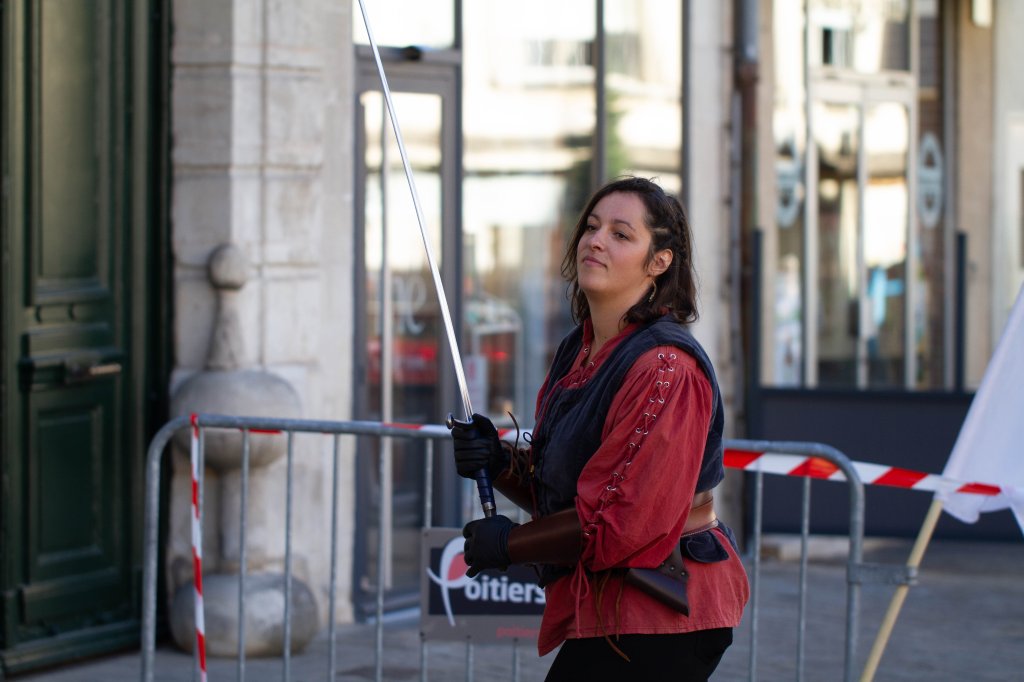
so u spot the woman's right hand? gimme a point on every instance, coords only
(477, 446)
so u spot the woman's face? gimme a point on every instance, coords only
(611, 257)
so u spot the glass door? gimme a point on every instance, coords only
(404, 364)
(861, 146)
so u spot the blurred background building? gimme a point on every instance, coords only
(853, 171)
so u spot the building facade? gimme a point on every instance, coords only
(852, 170)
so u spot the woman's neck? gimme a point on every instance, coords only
(606, 324)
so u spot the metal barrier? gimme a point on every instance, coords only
(856, 572)
(854, 576)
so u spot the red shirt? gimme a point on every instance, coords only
(633, 497)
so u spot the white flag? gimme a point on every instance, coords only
(990, 447)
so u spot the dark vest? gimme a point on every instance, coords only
(570, 420)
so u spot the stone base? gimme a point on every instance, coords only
(264, 615)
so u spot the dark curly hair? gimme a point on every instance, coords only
(666, 220)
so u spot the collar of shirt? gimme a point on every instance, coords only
(584, 365)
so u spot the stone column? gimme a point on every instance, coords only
(225, 387)
(263, 102)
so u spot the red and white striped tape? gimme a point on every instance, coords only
(872, 474)
(788, 464)
(197, 553)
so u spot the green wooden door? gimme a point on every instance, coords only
(77, 222)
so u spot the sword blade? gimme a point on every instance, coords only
(482, 479)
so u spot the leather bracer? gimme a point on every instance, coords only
(515, 489)
(556, 539)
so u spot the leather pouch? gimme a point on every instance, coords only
(666, 583)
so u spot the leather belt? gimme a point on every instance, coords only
(702, 514)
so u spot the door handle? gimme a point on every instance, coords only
(52, 370)
(75, 373)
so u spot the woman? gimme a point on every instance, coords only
(626, 448)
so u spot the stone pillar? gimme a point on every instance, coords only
(225, 387)
(263, 102)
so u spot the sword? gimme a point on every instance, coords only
(483, 481)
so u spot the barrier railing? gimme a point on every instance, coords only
(856, 571)
(854, 576)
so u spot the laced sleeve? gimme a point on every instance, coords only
(634, 494)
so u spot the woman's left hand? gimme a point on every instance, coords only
(487, 544)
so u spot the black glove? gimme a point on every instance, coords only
(487, 544)
(477, 446)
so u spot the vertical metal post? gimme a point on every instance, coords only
(685, 55)
(333, 595)
(387, 356)
(809, 253)
(951, 245)
(383, 472)
(805, 531)
(423, 657)
(745, 70)
(961, 311)
(288, 560)
(855, 558)
(428, 512)
(861, 286)
(242, 556)
(914, 296)
(428, 484)
(735, 309)
(753, 402)
(599, 152)
(154, 457)
(755, 581)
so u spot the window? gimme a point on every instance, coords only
(868, 36)
(402, 23)
(868, 310)
(537, 140)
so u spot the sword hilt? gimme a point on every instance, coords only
(483, 480)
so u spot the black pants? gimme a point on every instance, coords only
(685, 657)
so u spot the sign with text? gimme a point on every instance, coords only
(494, 607)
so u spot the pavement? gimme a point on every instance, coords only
(962, 621)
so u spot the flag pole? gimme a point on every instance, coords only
(924, 536)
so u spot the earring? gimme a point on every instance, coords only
(654, 290)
